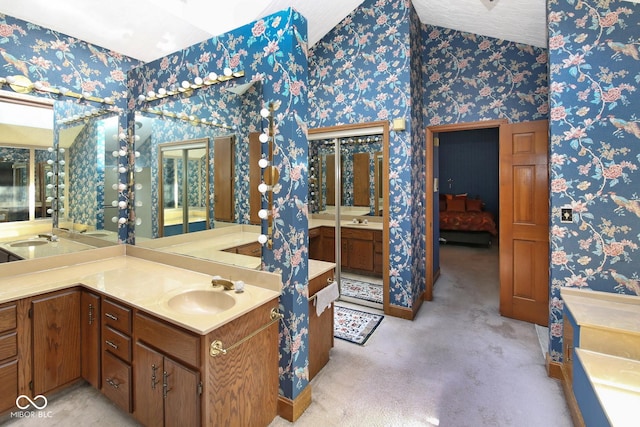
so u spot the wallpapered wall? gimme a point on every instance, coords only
(595, 149)
(61, 61)
(272, 50)
(359, 72)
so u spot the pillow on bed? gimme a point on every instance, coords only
(456, 205)
(474, 205)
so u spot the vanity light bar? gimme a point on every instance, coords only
(86, 116)
(187, 87)
(22, 84)
(187, 118)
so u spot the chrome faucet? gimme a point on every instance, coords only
(226, 284)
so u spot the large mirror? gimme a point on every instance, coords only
(215, 130)
(359, 186)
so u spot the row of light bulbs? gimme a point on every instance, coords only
(191, 118)
(56, 173)
(186, 86)
(22, 84)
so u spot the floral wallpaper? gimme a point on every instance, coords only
(595, 150)
(272, 51)
(63, 62)
(359, 72)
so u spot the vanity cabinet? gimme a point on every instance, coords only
(8, 356)
(361, 249)
(56, 340)
(116, 353)
(251, 249)
(320, 327)
(166, 391)
(90, 337)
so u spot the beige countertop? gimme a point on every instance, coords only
(603, 310)
(141, 278)
(318, 221)
(42, 247)
(616, 382)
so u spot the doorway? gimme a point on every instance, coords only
(524, 215)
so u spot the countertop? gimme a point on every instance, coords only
(42, 247)
(141, 278)
(609, 348)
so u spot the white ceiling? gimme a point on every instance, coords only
(149, 29)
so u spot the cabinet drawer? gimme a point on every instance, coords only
(116, 316)
(314, 232)
(350, 233)
(7, 318)
(117, 343)
(117, 381)
(8, 345)
(169, 339)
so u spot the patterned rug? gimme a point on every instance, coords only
(354, 325)
(361, 290)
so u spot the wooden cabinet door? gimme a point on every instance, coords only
(147, 386)
(360, 254)
(8, 384)
(223, 178)
(56, 340)
(182, 398)
(90, 337)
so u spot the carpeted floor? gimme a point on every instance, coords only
(458, 364)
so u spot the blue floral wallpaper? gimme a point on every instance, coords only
(272, 50)
(63, 62)
(595, 150)
(360, 72)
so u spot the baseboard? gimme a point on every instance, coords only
(554, 369)
(291, 410)
(405, 312)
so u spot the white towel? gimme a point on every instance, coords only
(326, 296)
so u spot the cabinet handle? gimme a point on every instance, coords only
(91, 314)
(111, 344)
(111, 316)
(112, 383)
(154, 377)
(165, 384)
(569, 353)
(329, 280)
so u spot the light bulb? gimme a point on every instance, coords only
(136, 137)
(61, 150)
(263, 137)
(61, 185)
(61, 197)
(122, 153)
(185, 84)
(138, 221)
(122, 220)
(114, 153)
(228, 72)
(50, 149)
(263, 163)
(122, 135)
(263, 214)
(162, 91)
(263, 188)
(49, 211)
(141, 98)
(122, 204)
(122, 169)
(49, 162)
(262, 239)
(61, 174)
(213, 76)
(114, 203)
(61, 210)
(198, 81)
(49, 174)
(115, 187)
(114, 219)
(61, 162)
(49, 199)
(265, 112)
(138, 186)
(151, 94)
(107, 100)
(49, 186)
(138, 203)
(122, 186)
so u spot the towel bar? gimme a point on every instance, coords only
(216, 348)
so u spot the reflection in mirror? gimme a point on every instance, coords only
(90, 175)
(184, 194)
(360, 189)
(226, 115)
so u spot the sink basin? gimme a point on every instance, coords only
(201, 301)
(26, 243)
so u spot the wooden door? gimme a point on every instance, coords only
(361, 179)
(524, 222)
(56, 340)
(147, 386)
(223, 178)
(255, 199)
(90, 337)
(330, 179)
(182, 401)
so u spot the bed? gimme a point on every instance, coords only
(464, 220)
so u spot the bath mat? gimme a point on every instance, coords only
(354, 325)
(361, 290)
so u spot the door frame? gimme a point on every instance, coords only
(430, 275)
